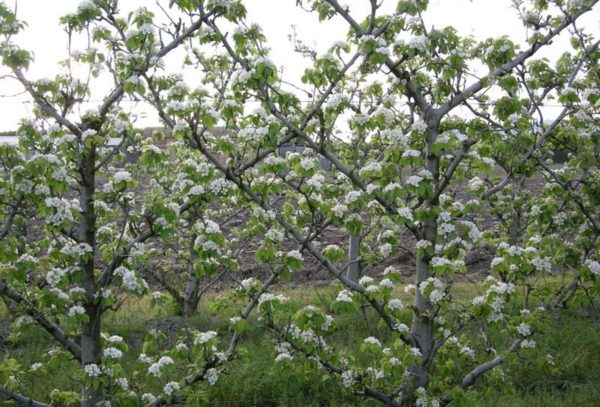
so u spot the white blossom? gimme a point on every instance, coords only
(372, 341)
(76, 310)
(112, 353)
(92, 370)
(171, 387)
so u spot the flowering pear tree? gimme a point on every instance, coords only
(90, 233)
(203, 249)
(406, 122)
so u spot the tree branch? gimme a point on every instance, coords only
(58, 334)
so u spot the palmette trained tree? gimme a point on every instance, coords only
(76, 234)
(406, 124)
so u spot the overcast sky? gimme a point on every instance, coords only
(480, 18)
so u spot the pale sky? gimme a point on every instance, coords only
(480, 18)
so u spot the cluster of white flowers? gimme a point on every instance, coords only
(348, 378)
(171, 387)
(254, 134)
(59, 293)
(352, 197)
(130, 280)
(92, 370)
(496, 292)
(541, 264)
(316, 181)
(308, 163)
(395, 304)
(60, 174)
(211, 227)
(147, 28)
(411, 153)
(467, 351)
(268, 297)
(122, 176)
(414, 180)
(86, 5)
(386, 250)
(392, 186)
(53, 276)
(593, 266)
(273, 160)
(240, 77)
(475, 183)
(419, 125)
(406, 213)
(76, 250)
(372, 188)
(387, 283)
(219, 186)
(344, 296)
(249, 283)
(423, 244)
(528, 344)
(336, 99)
(204, 337)
(176, 107)
(524, 329)
(63, 211)
(365, 280)
(387, 114)
(340, 209)
(283, 348)
(295, 254)
(36, 366)
(474, 233)
(76, 310)
(87, 133)
(154, 368)
(212, 376)
(435, 295)
(123, 383)
(275, 235)
(374, 374)
(144, 358)
(112, 353)
(282, 357)
(420, 42)
(372, 341)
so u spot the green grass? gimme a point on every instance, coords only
(573, 341)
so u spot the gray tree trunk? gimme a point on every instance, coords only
(354, 269)
(91, 345)
(192, 290)
(421, 331)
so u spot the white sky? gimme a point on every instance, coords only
(480, 18)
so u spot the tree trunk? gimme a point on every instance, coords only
(91, 345)
(514, 232)
(421, 331)
(91, 352)
(191, 300)
(192, 290)
(354, 271)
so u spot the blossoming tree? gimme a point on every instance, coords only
(405, 123)
(89, 230)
